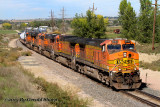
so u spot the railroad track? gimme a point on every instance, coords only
(144, 97)
(141, 96)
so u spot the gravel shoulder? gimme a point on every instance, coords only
(68, 79)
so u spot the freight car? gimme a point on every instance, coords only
(114, 62)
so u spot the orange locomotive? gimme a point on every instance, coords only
(113, 62)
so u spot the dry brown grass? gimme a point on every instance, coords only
(155, 65)
(26, 53)
(17, 83)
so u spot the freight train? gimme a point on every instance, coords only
(114, 62)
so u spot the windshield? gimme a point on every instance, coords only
(113, 46)
(128, 46)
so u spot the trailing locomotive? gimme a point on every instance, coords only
(114, 62)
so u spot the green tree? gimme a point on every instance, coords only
(7, 25)
(23, 25)
(79, 25)
(128, 20)
(39, 23)
(91, 26)
(101, 26)
(145, 21)
(122, 8)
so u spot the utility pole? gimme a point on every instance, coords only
(63, 21)
(154, 23)
(93, 9)
(52, 21)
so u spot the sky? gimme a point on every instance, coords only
(30, 9)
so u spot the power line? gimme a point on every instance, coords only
(93, 9)
(63, 21)
(52, 21)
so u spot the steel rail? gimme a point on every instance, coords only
(141, 99)
(149, 95)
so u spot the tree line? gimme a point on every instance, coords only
(139, 27)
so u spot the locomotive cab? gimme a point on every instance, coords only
(123, 64)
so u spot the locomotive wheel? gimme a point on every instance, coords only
(82, 70)
(57, 59)
(79, 68)
(52, 56)
(101, 78)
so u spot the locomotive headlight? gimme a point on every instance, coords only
(135, 68)
(125, 54)
(119, 69)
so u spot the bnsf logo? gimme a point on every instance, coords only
(123, 61)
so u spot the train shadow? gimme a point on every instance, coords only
(143, 85)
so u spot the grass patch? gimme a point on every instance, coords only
(63, 98)
(15, 85)
(112, 28)
(155, 65)
(110, 32)
(147, 48)
(7, 32)
(113, 35)
(8, 57)
(26, 53)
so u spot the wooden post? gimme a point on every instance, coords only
(154, 24)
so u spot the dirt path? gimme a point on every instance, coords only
(17, 31)
(12, 43)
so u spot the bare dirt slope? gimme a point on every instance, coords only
(148, 58)
(152, 79)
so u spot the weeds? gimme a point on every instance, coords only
(26, 53)
(62, 98)
(9, 57)
(15, 85)
(147, 48)
(155, 65)
(7, 32)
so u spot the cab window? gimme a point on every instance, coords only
(42, 37)
(128, 46)
(109, 47)
(103, 48)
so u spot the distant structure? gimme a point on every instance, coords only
(52, 21)
(93, 9)
(63, 21)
